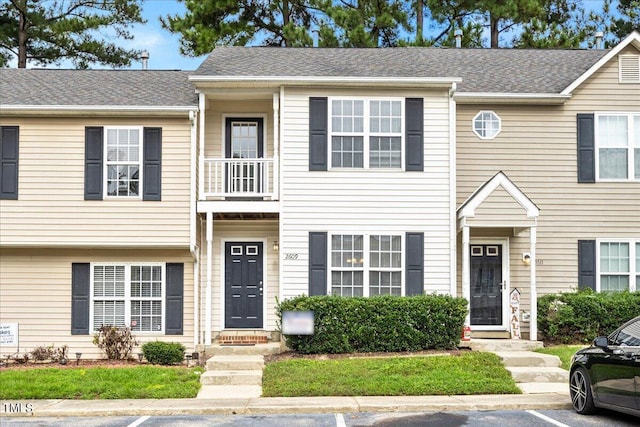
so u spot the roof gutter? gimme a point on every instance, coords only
(510, 98)
(276, 81)
(104, 110)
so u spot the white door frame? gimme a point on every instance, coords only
(506, 280)
(223, 255)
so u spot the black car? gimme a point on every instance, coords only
(607, 374)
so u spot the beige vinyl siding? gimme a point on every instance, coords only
(240, 231)
(35, 285)
(537, 151)
(51, 209)
(364, 201)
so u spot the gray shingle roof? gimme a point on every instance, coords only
(481, 70)
(149, 88)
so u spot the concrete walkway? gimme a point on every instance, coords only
(289, 405)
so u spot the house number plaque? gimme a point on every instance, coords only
(290, 256)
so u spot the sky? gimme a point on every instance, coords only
(163, 46)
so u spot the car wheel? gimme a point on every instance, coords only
(580, 391)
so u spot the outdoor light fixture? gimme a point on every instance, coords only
(526, 258)
(78, 356)
(276, 246)
(140, 355)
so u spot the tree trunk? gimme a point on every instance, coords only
(494, 31)
(419, 21)
(285, 19)
(22, 40)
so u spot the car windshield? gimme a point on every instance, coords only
(627, 336)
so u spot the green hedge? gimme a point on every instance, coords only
(579, 317)
(163, 353)
(384, 323)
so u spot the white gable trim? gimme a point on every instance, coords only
(468, 208)
(633, 38)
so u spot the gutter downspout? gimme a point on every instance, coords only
(193, 118)
(452, 191)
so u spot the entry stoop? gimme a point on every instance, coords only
(493, 345)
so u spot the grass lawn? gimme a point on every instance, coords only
(140, 382)
(564, 352)
(468, 373)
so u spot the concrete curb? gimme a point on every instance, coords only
(281, 405)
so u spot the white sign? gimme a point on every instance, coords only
(297, 323)
(514, 316)
(9, 334)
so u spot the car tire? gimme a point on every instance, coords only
(580, 392)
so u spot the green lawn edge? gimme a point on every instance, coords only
(564, 352)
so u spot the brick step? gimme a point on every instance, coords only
(231, 378)
(529, 358)
(522, 374)
(235, 363)
(242, 339)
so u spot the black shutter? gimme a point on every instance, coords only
(414, 265)
(80, 285)
(174, 299)
(152, 159)
(93, 152)
(586, 148)
(587, 264)
(414, 128)
(318, 134)
(9, 162)
(317, 263)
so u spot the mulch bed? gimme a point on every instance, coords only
(83, 363)
(294, 355)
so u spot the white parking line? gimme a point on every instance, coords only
(547, 419)
(340, 421)
(139, 421)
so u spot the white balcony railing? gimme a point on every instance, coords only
(238, 177)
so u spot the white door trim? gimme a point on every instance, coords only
(506, 280)
(221, 301)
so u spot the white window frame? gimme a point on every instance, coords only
(127, 294)
(477, 132)
(106, 162)
(366, 133)
(631, 131)
(634, 270)
(366, 265)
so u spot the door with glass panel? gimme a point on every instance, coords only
(486, 285)
(244, 145)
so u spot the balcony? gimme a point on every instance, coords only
(239, 179)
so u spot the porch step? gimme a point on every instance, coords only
(538, 388)
(528, 359)
(232, 378)
(235, 363)
(242, 339)
(246, 350)
(493, 345)
(524, 374)
(229, 391)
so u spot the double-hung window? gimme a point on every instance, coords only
(619, 266)
(367, 133)
(618, 146)
(128, 295)
(366, 265)
(123, 147)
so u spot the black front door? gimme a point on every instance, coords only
(243, 285)
(486, 285)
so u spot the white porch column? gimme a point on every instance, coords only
(533, 325)
(466, 269)
(276, 145)
(201, 172)
(207, 327)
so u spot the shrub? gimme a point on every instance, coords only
(116, 342)
(163, 353)
(579, 317)
(49, 353)
(383, 323)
